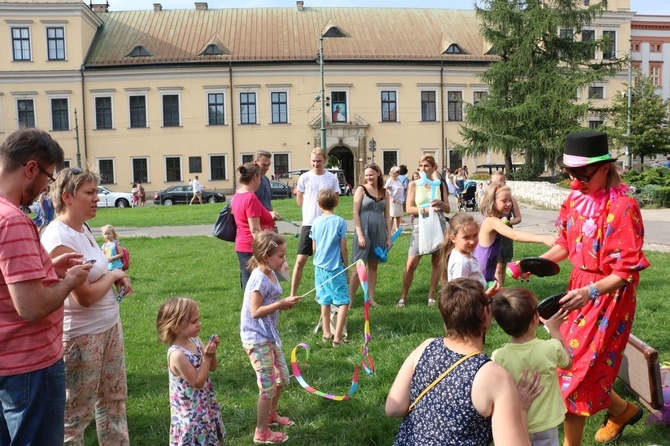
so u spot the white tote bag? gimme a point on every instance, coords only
(431, 231)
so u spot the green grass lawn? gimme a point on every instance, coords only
(205, 269)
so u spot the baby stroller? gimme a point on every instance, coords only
(468, 198)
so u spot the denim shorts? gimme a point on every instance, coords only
(33, 406)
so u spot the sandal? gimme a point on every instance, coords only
(401, 303)
(277, 420)
(269, 437)
(431, 302)
(327, 339)
(337, 344)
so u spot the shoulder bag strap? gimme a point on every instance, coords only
(440, 378)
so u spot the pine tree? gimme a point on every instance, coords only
(532, 97)
(649, 132)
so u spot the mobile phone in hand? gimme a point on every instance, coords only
(92, 261)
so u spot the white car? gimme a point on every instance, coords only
(110, 199)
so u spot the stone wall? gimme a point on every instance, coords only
(539, 193)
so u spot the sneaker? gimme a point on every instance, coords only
(431, 302)
(277, 420)
(612, 427)
(269, 437)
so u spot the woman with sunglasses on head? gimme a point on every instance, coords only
(92, 335)
(601, 232)
(372, 228)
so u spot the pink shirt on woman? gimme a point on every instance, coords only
(245, 206)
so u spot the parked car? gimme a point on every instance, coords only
(109, 199)
(280, 190)
(183, 194)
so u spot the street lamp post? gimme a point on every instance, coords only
(630, 98)
(372, 146)
(323, 96)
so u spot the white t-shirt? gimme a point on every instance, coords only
(396, 190)
(102, 315)
(197, 187)
(461, 265)
(310, 184)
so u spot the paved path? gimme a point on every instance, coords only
(539, 221)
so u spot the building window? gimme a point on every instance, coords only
(454, 105)
(170, 110)
(172, 168)
(26, 112)
(595, 124)
(140, 170)
(339, 106)
(389, 106)
(280, 164)
(636, 47)
(479, 96)
(589, 35)
(248, 108)
(389, 159)
(655, 47)
(21, 43)
(247, 158)
(609, 45)
(217, 167)
(215, 108)
(106, 171)
(279, 100)
(65, 165)
(428, 106)
(59, 114)
(138, 111)
(103, 112)
(195, 164)
(596, 92)
(56, 43)
(655, 75)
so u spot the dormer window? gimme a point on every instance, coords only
(212, 50)
(139, 51)
(453, 49)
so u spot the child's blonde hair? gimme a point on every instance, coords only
(459, 221)
(489, 199)
(173, 315)
(111, 228)
(263, 246)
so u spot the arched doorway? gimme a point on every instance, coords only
(346, 157)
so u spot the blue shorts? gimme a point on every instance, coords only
(335, 292)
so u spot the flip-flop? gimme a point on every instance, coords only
(327, 339)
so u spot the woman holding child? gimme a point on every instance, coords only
(601, 232)
(92, 334)
(372, 227)
(477, 402)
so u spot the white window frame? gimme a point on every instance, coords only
(139, 92)
(394, 88)
(107, 158)
(105, 94)
(181, 168)
(217, 90)
(344, 89)
(55, 24)
(434, 152)
(448, 89)
(226, 174)
(132, 170)
(172, 91)
(25, 96)
(59, 95)
(240, 91)
(21, 24)
(616, 47)
(597, 85)
(595, 36)
(436, 90)
(288, 104)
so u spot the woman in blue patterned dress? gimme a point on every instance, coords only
(476, 402)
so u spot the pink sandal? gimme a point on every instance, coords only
(269, 437)
(277, 420)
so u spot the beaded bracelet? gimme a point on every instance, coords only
(593, 292)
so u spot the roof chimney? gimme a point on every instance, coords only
(99, 7)
(158, 7)
(300, 5)
(201, 6)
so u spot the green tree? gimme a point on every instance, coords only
(544, 61)
(649, 132)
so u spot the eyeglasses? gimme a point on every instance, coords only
(44, 171)
(585, 178)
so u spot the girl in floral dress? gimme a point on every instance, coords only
(195, 414)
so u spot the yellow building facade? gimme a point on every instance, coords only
(164, 95)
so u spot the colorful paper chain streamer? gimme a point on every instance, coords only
(365, 359)
(434, 185)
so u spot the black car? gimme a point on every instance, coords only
(280, 190)
(183, 194)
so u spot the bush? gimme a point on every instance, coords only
(661, 197)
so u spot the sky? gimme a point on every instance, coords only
(640, 6)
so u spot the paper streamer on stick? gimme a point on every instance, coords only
(365, 359)
(434, 187)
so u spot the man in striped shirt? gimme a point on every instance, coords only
(32, 292)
